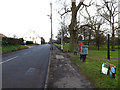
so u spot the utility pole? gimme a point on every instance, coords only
(51, 27)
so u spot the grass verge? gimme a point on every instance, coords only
(65, 47)
(91, 68)
(11, 48)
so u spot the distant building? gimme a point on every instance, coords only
(32, 36)
(2, 35)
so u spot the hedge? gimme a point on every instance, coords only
(11, 41)
(29, 42)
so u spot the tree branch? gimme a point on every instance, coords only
(79, 5)
(116, 14)
(105, 17)
(64, 12)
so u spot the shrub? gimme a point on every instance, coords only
(29, 42)
(11, 41)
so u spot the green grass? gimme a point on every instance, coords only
(93, 47)
(11, 48)
(58, 45)
(65, 47)
(91, 68)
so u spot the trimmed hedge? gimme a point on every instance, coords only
(12, 41)
(29, 42)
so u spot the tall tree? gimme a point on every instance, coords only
(87, 32)
(109, 10)
(73, 25)
(99, 36)
(94, 24)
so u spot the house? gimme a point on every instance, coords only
(32, 36)
(2, 35)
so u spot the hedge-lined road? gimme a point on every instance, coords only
(25, 68)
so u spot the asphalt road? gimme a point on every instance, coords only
(25, 68)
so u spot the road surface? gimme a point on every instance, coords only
(25, 68)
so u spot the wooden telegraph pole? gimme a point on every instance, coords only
(51, 27)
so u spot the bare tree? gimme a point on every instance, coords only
(63, 32)
(93, 25)
(87, 32)
(73, 23)
(72, 26)
(109, 10)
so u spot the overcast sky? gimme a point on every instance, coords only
(19, 16)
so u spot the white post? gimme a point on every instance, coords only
(62, 39)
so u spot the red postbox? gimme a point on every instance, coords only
(80, 46)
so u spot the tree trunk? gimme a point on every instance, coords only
(98, 47)
(113, 38)
(72, 26)
(73, 39)
(89, 38)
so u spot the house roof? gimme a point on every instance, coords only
(2, 35)
(31, 31)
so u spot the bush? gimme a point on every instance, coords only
(11, 41)
(29, 42)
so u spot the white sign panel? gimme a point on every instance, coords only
(104, 70)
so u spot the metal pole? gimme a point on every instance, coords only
(51, 27)
(108, 52)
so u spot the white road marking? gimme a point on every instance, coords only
(8, 60)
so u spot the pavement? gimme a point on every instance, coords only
(63, 73)
(25, 68)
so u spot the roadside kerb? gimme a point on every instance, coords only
(46, 82)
